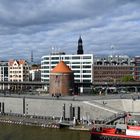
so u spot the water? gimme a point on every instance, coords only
(17, 132)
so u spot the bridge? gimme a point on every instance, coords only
(116, 84)
(19, 86)
(15, 86)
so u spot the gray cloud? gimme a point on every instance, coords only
(38, 25)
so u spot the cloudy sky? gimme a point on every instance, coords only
(106, 26)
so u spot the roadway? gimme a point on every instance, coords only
(75, 97)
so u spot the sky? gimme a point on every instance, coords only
(45, 26)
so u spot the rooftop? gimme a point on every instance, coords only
(61, 67)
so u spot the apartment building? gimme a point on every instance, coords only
(18, 70)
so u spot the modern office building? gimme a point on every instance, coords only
(18, 70)
(137, 68)
(80, 64)
(112, 68)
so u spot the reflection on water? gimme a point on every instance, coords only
(17, 132)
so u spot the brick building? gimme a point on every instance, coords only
(112, 68)
(137, 69)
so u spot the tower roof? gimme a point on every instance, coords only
(61, 67)
(80, 39)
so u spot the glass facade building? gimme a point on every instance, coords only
(81, 65)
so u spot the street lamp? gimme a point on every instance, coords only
(133, 99)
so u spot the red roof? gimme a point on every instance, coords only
(61, 67)
(21, 61)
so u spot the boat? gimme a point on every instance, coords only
(120, 131)
(131, 133)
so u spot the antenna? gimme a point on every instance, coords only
(32, 59)
(52, 49)
(112, 50)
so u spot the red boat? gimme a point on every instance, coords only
(131, 133)
(118, 132)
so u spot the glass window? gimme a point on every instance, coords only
(75, 66)
(55, 58)
(66, 58)
(75, 57)
(46, 58)
(87, 76)
(86, 71)
(86, 57)
(86, 66)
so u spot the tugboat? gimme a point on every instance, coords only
(118, 132)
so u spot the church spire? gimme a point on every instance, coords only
(80, 46)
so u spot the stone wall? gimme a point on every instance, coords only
(54, 107)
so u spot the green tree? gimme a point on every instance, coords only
(127, 78)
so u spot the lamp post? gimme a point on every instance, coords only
(133, 99)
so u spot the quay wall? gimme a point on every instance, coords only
(11, 105)
(54, 107)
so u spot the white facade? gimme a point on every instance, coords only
(81, 65)
(18, 70)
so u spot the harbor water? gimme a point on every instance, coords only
(20, 132)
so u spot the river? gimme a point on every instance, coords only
(19, 132)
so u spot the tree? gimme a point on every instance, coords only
(127, 78)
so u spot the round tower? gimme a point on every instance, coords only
(61, 80)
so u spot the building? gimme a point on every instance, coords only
(3, 71)
(61, 75)
(81, 65)
(18, 70)
(35, 73)
(112, 68)
(137, 68)
(3, 74)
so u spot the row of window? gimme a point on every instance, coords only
(15, 71)
(67, 62)
(84, 76)
(67, 57)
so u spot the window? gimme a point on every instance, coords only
(86, 57)
(86, 66)
(75, 66)
(75, 57)
(86, 71)
(66, 58)
(46, 58)
(55, 58)
(86, 76)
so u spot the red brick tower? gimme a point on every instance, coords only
(61, 80)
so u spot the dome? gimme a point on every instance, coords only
(61, 67)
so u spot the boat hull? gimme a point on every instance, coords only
(98, 136)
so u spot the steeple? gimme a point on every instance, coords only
(80, 46)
